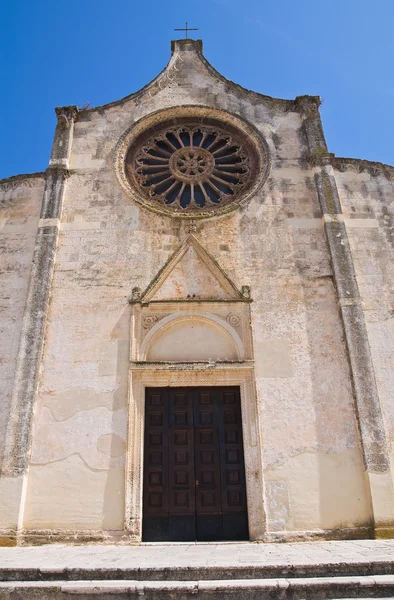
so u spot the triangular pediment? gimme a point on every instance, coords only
(191, 274)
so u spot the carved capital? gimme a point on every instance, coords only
(246, 292)
(66, 115)
(58, 170)
(321, 158)
(135, 295)
(308, 105)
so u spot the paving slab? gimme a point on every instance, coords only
(60, 556)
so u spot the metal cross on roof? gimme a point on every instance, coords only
(187, 29)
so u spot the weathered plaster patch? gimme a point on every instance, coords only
(382, 491)
(304, 223)
(69, 495)
(108, 358)
(80, 225)
(273, 359)
(85, 161)
(10, 500)
(278, 508)
(112, 445)
(29, 226)
(78, 434)
(361, 223)
(64, 405)
(326, 491)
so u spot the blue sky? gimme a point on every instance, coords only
(96, 51)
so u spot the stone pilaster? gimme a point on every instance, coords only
(369, 413)
(17, 447)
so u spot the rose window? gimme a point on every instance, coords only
(191, 167)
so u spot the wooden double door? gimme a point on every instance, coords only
(194, 473)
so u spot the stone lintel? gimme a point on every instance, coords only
(245, 365)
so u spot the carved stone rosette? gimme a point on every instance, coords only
(194, 163)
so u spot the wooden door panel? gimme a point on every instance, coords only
(231, 453)
(181, 453)
(156, 463)
(194, 476)
(207, 459)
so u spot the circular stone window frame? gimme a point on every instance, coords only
(147, 124)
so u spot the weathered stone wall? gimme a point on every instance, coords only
(314, 476)
(20, 204)
(368, 209)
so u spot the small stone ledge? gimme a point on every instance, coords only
(273, 588)
(384, 533)
(191, 366)
(8, 537)
(83, 538)
(347, 533)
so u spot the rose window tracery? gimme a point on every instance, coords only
(190, 167)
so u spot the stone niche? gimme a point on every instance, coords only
(191, 327)
(191, 312)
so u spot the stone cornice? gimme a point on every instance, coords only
(357, 165)
(170, 71)
(10, 183)
(363, 166)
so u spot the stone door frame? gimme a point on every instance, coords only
(143, 375)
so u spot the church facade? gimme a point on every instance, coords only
(197, 324)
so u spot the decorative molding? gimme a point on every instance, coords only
(59, 170)
(188, 165)
(196, 316)
(135, 295)
(209, 262)
(233, 319)
(215, 312)
(149, 320)
(356, 165)
(177, 376)
(246, 292)
(320, 158)
(191, 226)
(29, 181)
(171, 70)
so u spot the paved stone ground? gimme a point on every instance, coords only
(231, 554)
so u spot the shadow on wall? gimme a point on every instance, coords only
(192, 338)
(342, 496)
(114, 493)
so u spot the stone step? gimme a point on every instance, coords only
(199, 573)
(310, 588)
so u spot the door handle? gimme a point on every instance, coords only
(197, 483)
